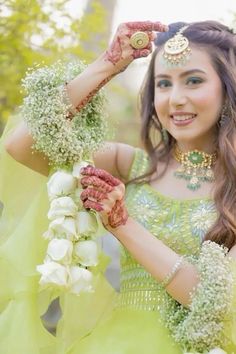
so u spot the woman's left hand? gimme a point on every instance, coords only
(105, 194)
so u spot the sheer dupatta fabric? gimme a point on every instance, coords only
(24, 199)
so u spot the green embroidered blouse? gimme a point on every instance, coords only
(180, 224)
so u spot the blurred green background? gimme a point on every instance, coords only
(42, 31)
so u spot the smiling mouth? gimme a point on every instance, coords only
(183, 117)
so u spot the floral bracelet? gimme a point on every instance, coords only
(200, 328)
(46, 108)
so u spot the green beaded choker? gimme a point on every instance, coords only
(196, 167)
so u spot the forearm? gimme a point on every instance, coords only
(114, 60)
(158, 259)
(83, 87)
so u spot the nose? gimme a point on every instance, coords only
(177, 96)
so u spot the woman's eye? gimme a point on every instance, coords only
(163, 83)
(194, 81)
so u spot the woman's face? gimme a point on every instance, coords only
(188, 100)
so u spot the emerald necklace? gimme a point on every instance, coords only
(196, 167)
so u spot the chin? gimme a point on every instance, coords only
(186, 136)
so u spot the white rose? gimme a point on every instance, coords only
(63, 227)
(53, 273)
(78, 166)
(80, 280)
(217, 351)
(86, 223)
(60, 250)
(87, 253)
(61, 183)
(62, 206)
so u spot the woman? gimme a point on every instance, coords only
(187, 194)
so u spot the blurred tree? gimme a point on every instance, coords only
(32, 32)
(41, 31)
(93, 37)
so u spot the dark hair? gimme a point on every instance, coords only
(220, 42)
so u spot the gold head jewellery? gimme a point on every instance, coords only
(177, 50)
(139, 40)
(196, 167)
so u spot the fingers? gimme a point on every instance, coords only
(141, 53)
(104, 194)
(90, 204)
(91, 193)
(146, 26)
(96, 182)
(105, 176)
(152, 36)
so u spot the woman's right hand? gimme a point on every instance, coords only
(116, 59)
(121, 53)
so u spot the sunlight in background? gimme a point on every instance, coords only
(166, 12)
(173, 11)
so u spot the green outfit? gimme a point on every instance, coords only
(134, 326)
(102, 322)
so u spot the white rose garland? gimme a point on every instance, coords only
(72, 253)
(68, 143)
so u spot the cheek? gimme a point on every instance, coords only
(161, 104)
(209, 103)
(203, 99)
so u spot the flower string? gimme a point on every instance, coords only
(72, 252)
(72, 256)
(46, 108)
(200, 328)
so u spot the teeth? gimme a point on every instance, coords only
(184, 117)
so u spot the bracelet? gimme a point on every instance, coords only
(172, 273)
(62, 134)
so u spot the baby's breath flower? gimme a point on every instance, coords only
(200, 328)
(46, 108)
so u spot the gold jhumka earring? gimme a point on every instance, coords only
(177, 50)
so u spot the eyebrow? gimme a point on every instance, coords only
(181, 75)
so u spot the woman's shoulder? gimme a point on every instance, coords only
(116, 158)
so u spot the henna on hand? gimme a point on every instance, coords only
(92, 193)
(90, 204)
(105, 194)
(103, 175)
(97, 183)
(147, 26)
(88, 97)
(118, 215)
(121, 53)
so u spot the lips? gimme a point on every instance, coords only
(182, 115)
(182, 118)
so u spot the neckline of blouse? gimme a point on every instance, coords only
(172, 199)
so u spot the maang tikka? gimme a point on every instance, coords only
(177, 50)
